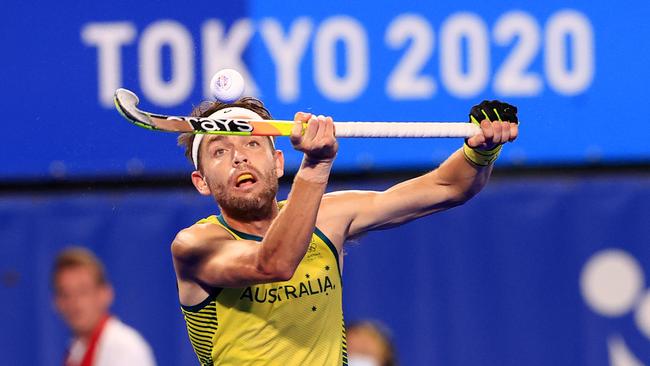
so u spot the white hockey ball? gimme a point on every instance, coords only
(227, 85)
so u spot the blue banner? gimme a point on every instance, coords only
(578, 75)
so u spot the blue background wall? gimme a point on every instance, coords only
(503, 291)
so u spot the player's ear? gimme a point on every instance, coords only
(279, 163)
(200, 184)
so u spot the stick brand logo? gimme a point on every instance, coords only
(225, 125)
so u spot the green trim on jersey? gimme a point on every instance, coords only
(330, 245)
(237, 232)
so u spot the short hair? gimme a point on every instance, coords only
(207, 107)
(381, 333)
(75, 257)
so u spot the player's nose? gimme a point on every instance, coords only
(239, 157)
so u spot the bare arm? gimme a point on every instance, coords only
(208, 256)
(454, 182)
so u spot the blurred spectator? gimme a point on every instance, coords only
(369, 344)
(83, 296)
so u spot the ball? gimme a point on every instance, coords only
(227, 85)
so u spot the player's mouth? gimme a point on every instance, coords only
(245, 180)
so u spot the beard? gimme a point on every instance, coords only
(251, 206)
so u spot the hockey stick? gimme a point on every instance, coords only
(126, 103)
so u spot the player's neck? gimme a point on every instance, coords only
(256, 226)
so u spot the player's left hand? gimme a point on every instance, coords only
(498, 121)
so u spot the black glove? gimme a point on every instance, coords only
(493, 110)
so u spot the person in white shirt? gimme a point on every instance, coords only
(83, 296)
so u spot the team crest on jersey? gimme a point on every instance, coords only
(312, 251)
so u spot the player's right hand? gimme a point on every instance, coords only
(317, 140)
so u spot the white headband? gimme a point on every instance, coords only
(225, 113)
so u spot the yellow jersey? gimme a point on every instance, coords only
(294, 322)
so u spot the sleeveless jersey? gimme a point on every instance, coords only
(294, 322)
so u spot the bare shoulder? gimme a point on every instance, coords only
(196, 241)
(338, 210)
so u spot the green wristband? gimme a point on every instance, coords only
(481, 157)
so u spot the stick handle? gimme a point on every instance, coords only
(405, 129)
(375, 129)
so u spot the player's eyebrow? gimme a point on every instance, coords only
(214, 138)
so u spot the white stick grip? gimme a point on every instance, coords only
(405, 129)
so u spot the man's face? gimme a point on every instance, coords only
(242, 174)
(366, 346)
(80, 299)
